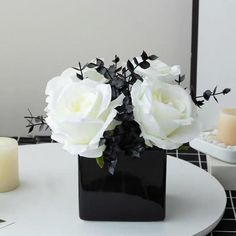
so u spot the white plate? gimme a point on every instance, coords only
(214, 150)
(46, 203)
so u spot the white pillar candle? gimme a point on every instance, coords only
(227, 127)
(9, 178)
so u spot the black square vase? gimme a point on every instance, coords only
(136, 191)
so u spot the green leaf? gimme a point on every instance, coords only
(100, 161)
(183, 148)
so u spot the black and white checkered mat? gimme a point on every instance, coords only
(227, 226)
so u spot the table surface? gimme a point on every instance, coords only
(46, 202)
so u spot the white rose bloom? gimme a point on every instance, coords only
(159, 70)
(165, 113)
(79, 111)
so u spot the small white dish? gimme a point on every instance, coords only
(208, 144)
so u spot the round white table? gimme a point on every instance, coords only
(46, 203)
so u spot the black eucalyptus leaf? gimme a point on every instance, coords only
(116, 91)
(124, 117)
(102, 141)
(134, 153)
(34, 121)
(118, 83)
(120, 76)
(127, 100)
(118, 69)
(112, 69)
(31, 129)
(75, 68)
(124, 72)
(144, 64)
(130, 66)
(180, 79)
(30, 121)
(108, 151)
(108, 134)
(91, 65)
(129, 108)
(216, 99)
(120, 109)
(214, 91)
(125, 108)
(153, 57)
(144, 56)
(199, 103)
(207, 94)
(132, 80)
(137, 77)
(116, 60)
(226, 90)
(135, 60)
(99, 62)
(102, 70)
(79, 76)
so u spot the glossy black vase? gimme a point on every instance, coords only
(136, 191)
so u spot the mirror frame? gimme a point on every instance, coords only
(194, 45)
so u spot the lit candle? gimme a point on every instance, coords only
(227, 127)
(9, 178)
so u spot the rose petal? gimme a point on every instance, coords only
(92, 74)
(186, 133)
(84, 150)
(105, 91)
(162, 143)
(94, 153)
(102, 129)
(175, 70)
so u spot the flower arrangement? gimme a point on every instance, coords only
(97, 111)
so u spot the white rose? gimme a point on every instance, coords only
(79, 111)
(165, 113)
(159, 70)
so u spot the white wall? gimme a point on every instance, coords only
(39, 39)
(216, 55)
